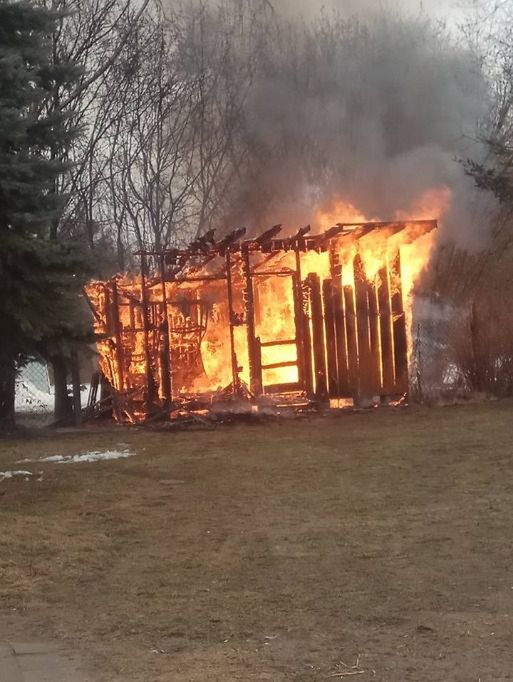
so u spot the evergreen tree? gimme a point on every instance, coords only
(40, 278)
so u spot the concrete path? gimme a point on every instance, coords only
(37, 662)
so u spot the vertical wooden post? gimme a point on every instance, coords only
(255, 365)
(331, 339)
(165, 362)
(399, 327)
(375, 349)
(299, 325)
(117, 391)
(118, 339)
(339, 318)
(231, 323)
(363, 330)
(317, 336)
(339, 321)
(352, 342)
(387, 341)
(151, 392)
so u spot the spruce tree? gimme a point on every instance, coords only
(39, 278)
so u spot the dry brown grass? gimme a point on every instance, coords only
(272, 552)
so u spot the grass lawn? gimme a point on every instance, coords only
(377, 544)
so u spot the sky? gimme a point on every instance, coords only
(453, 10)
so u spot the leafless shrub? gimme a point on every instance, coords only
(481, 341)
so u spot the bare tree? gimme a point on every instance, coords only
(91, 33)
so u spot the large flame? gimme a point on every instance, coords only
(199, 329)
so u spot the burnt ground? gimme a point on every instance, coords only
(376, 544)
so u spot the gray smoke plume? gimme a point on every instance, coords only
(374, 102)
(375, 110)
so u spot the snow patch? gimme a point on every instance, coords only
(93, 456)
(11, 474)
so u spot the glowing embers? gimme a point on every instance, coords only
(315, 317)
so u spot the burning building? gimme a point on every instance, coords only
(302, 319)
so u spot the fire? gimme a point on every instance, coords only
(340, 211)
(323, 314)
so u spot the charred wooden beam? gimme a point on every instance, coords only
(279, 365)
(265, 238)
(270, 344)
(221, 246)
(204, 242)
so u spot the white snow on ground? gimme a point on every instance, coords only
(12, 474)
(93, 456)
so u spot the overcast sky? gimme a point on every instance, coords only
(452, 9)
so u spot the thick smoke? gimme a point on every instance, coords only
(375, 110)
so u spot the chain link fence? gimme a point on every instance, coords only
(434, 376)
(34, 397)
(448, 359)
(35, 392)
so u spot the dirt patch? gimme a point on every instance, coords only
(375, 544)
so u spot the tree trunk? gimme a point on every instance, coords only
(63, 406)
(7, 391)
